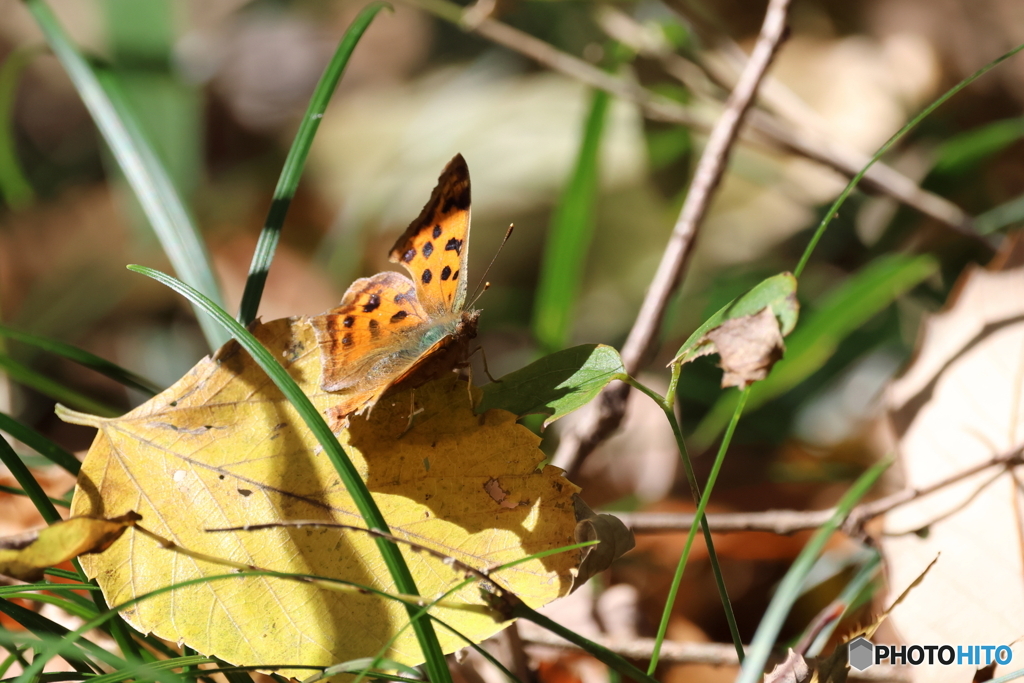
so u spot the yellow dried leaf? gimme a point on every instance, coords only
(223, 448)
(27, 555)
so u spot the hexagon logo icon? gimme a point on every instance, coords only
(861, 653)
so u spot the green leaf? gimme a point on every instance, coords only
(569, 237)
(557, 384)
(164, 209)
(293, 164)
(778, 292)
(849, 306)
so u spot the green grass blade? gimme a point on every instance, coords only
(790, 587)
(612, 660)
(14, 186)
(83, 358)
(147, 177)
(46, 629)
(999, 217)
(834, 209)
(296, 160)
(811, 344)
(28, 483)
(437, 668)
(15, 491)
(962, 153)
(40, 444)
(55, 390)
(569, 237)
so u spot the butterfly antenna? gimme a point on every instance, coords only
(484, 284)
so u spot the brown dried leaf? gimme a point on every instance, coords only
(793, 669)
(958, 406)
(748, 347)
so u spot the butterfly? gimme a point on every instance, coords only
(390, 328)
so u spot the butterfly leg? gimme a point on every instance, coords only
(413, 412)
(483, 357)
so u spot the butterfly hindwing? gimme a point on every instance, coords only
(435, 247)
(373, 335)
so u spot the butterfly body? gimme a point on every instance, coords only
(392, 328)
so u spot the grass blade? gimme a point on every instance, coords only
(437, 667)
(40, 444)
(834, 209)
(569, 237)
(789, 589)
(163, 207)
(14, 186)
(296, 160)
(55, 390)
(83, 358)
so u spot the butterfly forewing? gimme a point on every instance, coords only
(435, 247)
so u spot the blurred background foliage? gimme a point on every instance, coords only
(219, 87)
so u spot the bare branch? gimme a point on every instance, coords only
(784, 522)
(879, 178)
(603, 416)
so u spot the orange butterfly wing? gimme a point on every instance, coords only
(388, 326)
(435, 247)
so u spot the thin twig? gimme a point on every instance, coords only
(800, 130)
(604, 415)
(879, 178)
(785, 522)
(715, 654)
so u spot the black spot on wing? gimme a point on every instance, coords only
(347, 322)
(437, 231)
(427, 276)
(346, 340)
(455, 276)
(409, 255)
(428, 249)
(446, 273)
(454, 245)
(374, 328)
(372, 304)
(401, 315)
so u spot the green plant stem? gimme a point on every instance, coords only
(789, 589)
(437, 667)
(288, 182)
(834, 209)
(700, 517)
